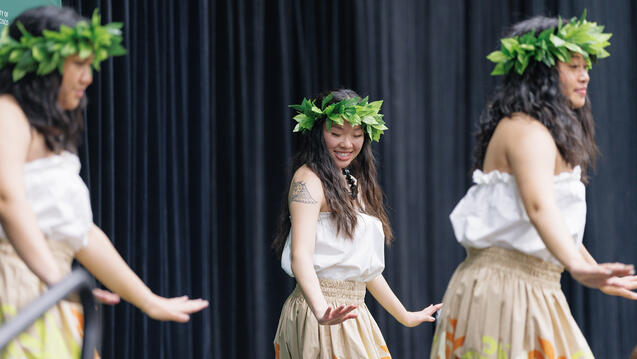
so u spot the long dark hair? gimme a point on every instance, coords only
(313, 153)
(537, 93)
(38, 95)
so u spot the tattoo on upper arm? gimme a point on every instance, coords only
(299, 193)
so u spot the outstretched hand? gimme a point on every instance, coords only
(601, 275)
(337, 315)
(628, 285)
(176, 309)
(425, 315)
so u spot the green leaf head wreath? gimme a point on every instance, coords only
(577, 36)
(43, 54)
(356, 111)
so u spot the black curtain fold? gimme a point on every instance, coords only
(188, 146)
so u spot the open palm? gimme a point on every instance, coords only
(337, 315)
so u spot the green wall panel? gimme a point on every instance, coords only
(9, 9)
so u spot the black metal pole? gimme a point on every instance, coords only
(78, 280)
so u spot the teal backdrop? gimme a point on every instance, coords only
(9, 9)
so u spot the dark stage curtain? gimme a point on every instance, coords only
(188, 147)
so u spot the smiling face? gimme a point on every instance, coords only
(343, 143)
(574, 80)
(76, 77)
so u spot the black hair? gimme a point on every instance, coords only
(537, 93)
(38, 95)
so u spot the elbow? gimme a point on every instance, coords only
(7, 200)
(294, 260)
(5, 197)
(537, 210)
(298, 260)
(534, 209)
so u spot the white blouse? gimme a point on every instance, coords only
(492, 213)
(360, 259)
(59, 198)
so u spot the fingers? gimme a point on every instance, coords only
(193, 306)
(348, 309)
(105, 297)
(606, 274)
(619, 269)
(630, 282)
(623, 287)
(622, 292)
(189, 306)
(180, 318)
(424, 317)
(350, 316)
(178, 309)
(343, 313)
(342, 310)
(337, 315)
(338, 311)
(183, 298)
(430, 310)
(427, 317)
(614, 282)
(327, 314)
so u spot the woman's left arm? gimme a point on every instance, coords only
(629, 282)
(104, 262)
(381, 291)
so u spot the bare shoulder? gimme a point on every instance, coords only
(522, 130)
(306, 187)
(527, 144)
(12, 118)
(305, 174)
(10, 107)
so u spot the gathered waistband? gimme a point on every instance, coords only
(338, 290)
(516, 262)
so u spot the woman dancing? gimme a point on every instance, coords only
(46, 56)
(522, 222)
(332, 233)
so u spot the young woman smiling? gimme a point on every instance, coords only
(332, 233)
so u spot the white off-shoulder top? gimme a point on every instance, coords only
(59, 198)
(360, 259)
(492, 214)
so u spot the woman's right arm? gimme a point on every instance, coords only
(16, 216)
(104, 262)
(304, 200)
(531, 154)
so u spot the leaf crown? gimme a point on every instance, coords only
(577, 36)
(356, 111)
(43, 54)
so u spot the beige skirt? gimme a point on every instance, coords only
(57, 334)
(502, 303)
(299, 334)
